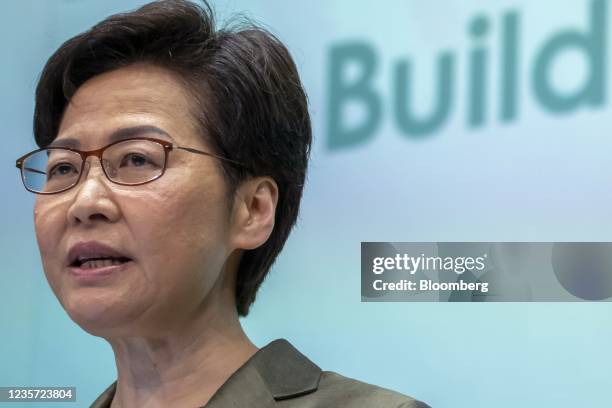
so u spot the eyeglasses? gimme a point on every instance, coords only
(129, 162)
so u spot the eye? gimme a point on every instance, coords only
(135, 159)
(62, 169)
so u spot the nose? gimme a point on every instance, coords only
(93, 197)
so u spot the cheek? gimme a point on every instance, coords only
(49, 224)
(178, 233)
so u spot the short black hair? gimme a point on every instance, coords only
(250, 104)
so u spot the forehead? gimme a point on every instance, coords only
(137, 95)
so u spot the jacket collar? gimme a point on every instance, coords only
(275, 372)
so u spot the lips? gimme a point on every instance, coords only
(92, 253)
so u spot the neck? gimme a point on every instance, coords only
(183, 368)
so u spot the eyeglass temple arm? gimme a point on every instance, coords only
(189, 149)
(34, 170)
(19, 163)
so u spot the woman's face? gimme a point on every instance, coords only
(175, 229)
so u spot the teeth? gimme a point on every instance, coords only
(100, 263)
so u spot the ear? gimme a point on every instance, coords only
(253, 212)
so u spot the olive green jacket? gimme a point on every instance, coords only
(279, 376)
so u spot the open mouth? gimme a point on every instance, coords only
(100, 262)
(92, 258)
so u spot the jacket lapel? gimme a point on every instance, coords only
(275, 372)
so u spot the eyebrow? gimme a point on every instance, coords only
(120, 134)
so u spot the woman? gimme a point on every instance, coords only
(170, 174)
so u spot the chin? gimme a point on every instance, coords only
(95, 313)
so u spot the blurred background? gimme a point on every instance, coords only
(433, 121)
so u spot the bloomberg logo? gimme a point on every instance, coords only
(359, 89)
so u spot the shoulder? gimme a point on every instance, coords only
(279, 375)
(339, 391)
(294, 381)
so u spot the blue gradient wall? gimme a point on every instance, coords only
(540, 175)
